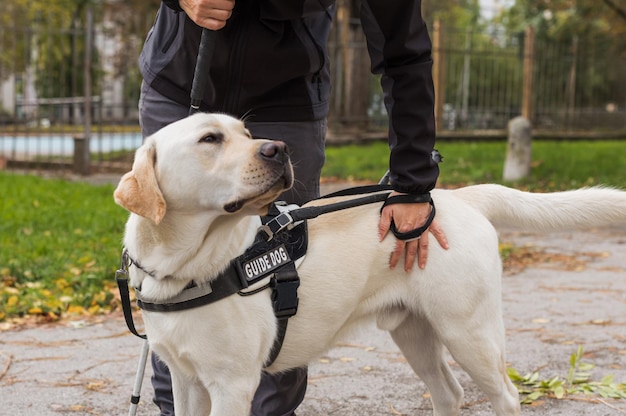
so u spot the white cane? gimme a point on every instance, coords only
(141, 367)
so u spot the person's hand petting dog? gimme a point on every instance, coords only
(211, 14)
(408, 217)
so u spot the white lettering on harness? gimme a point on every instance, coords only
(266, 262)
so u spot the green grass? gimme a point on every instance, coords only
(556, 165)
(60, 241)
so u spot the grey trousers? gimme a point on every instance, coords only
(278, 394)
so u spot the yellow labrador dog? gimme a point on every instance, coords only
(195, 193)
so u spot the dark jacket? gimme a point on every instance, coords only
(271, 64)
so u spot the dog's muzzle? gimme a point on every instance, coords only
(276, 155)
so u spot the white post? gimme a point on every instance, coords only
(519, 150)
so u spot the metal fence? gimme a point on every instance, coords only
(484, 78)
(63, 104)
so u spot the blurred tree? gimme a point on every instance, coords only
(43, 42)
(452, 13)
(589, 38)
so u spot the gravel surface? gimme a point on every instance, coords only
(87, 367)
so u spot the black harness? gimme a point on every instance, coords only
(280, 241)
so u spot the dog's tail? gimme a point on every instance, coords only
(582, 208)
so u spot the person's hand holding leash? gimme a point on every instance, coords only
(210, 14)
(408, 217)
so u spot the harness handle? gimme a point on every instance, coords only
(201, 71)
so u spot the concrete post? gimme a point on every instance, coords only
(519, 153)
(82, 158)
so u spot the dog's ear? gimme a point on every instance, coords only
(138, 190)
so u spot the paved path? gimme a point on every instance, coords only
(88, 367)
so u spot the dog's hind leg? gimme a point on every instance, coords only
(479, 350)
(425, 353)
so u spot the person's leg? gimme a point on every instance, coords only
(277, 395)
(281, 394)
(162, 385)
(157, 111)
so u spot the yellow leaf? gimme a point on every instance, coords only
(75, 309)
(12, 301)
(35, 311)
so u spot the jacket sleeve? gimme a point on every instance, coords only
(400, 50)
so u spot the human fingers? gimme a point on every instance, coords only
(396, 254)
(384, 223)
(412, 250)
(440, 236)
(210, 14)
(422, 250)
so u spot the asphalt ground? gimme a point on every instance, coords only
(568, 290)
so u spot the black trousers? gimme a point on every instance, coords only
(277, 395)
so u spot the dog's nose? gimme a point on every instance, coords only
(274, 150)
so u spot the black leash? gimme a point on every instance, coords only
(121, 277)
(286, 219)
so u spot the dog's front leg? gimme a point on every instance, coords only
(226, 396)
(190, 396)
(233, 396)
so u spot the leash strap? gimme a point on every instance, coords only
(121, 277)
(285, 219)
(416, 233)
(411, 199)
(408, 199)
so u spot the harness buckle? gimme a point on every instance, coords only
(285, 293)
(276, 225)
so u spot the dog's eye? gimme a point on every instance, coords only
(212, 138)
